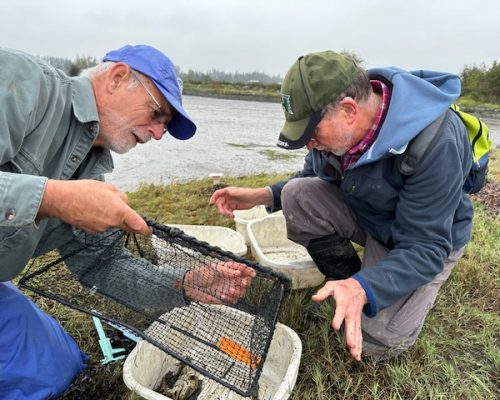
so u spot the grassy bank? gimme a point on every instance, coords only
(456, 357)
(255, 91)
(467, 103)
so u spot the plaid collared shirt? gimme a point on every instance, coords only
(355, 152)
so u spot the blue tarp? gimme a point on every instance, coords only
(38, 359)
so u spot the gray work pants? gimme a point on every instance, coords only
(314, 208)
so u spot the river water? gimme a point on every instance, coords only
(234, 137)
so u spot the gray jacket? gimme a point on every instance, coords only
(48, 124)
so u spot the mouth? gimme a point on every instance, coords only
(140, 139)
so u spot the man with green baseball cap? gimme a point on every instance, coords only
(357, 125)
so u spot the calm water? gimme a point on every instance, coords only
(234, 137)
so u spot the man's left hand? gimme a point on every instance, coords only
(350, 298)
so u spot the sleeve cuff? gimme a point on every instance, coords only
(13, 187)
(271, 208)
(370, 309)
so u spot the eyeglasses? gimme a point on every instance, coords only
(157, 111)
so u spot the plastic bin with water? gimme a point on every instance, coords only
(271, 248)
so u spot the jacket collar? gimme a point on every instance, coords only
(83, 100)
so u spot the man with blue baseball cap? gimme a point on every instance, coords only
(56, 133)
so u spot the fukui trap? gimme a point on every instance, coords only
(209, 308)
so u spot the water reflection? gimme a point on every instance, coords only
(234, 137)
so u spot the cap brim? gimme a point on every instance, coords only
(296, 134)
(181, 126)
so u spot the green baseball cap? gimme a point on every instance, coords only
(312, 82)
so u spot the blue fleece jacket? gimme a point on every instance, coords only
(421, 218)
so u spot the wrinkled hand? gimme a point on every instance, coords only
(222, 283)
(236, 198)
(350, 298)
(90, 205)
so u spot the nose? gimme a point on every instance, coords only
(157, 130)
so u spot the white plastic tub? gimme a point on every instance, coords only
(146, 366)
(225, 238)
(243, 217)
(271, 248)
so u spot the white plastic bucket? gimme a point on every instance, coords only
(243, 217)
(271, 248)
(225, 238)
(146, 365)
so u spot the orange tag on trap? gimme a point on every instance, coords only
(238, 352)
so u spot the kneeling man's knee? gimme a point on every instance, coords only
(290, 194)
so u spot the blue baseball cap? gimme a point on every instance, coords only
(158, 67)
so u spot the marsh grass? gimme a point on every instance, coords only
(269, 152)
(275, 155)
(250, 145)
(457, 355)
(237, 90)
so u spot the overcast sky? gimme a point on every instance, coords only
(261, 35)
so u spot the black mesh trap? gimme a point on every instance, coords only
(192, 300)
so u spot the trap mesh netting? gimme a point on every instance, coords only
(206, 307)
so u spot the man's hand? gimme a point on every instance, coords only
(90, 205)
(235, 198)
(350, 298)
(223, 283)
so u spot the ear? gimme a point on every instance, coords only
(350, 108)
(117, 76)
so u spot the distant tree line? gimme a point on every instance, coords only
(481, 83)
(73, 68)
(215, 75)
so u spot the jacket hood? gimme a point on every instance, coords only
(417, 99)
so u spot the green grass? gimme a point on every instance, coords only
(276, 155)
(250, 145)
(469, 103)
(253, 91)
(271, 92)
(269, 152)
(457, 355)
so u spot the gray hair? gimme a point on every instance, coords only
(96, 70)
(360, 90)
(92, 72)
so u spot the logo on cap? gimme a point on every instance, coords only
(286, 104)
(282, 143)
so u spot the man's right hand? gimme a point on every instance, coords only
(350, 298)
(90, 205)
(236, 198)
